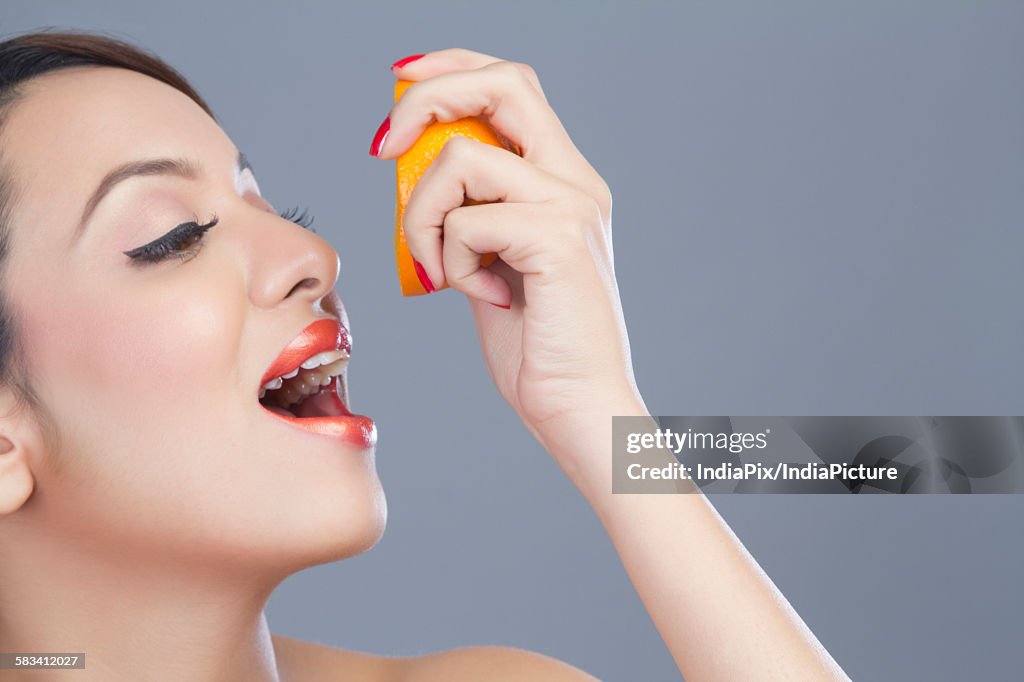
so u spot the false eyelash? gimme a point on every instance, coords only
(303, 218)
(180, 242)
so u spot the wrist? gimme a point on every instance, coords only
(582, 441)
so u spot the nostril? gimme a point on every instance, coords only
(310, 282)
(331, 304)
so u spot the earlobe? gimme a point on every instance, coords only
(16, 479)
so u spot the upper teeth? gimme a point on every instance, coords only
(336, 359)
(327, 357)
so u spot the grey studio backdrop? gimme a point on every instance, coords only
(817, 211)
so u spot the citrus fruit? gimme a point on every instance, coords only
(410, 167)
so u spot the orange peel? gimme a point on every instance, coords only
(409, 168)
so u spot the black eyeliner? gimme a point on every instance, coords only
(184, 239)
(177, 242)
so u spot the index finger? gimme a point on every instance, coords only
(456, 59)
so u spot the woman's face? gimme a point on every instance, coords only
(151, 370)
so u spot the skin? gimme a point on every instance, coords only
(171, 534)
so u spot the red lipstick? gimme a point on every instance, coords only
(355, 429)
(323, 413)
(323, 335)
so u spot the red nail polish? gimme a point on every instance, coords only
(405, 60)
(498, 305)
(422, 274)
(378, 138)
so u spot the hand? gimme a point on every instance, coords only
(559, 355)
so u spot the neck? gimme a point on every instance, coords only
(131, 619)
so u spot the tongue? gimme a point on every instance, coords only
(322, 404)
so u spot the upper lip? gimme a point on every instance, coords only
(324, 334)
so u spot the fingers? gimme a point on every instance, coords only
(474, 230)
(457, 59)
(498, 91)
(522, 236)
(532, 222)
(458, 83)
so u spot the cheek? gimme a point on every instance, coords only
(138, 381)
(168, 453)
(147, 349)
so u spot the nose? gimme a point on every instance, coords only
(289, 264)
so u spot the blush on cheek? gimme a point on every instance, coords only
(166, 341)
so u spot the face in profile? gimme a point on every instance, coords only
(151, 367)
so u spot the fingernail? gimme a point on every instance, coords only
(498, 305)
(405, 60)
(379, 136)
(422, 274)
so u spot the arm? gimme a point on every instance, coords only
(554, 340)
(720, 615)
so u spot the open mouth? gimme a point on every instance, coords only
(311, 390)
(306, 377)
(305, 386)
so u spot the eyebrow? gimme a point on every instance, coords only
(182, 168)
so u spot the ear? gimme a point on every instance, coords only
(17, 439)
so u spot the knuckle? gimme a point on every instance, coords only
(457, 147)
(412, 97)
(527, 71)
(511, 71)
(455, 224)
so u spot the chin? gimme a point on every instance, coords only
(341, 526)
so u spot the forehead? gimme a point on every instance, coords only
(68, 128)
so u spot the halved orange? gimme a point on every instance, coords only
(410, 167)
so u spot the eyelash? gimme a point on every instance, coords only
(301, 217)
(185, 240)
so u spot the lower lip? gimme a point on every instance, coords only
(354, 429)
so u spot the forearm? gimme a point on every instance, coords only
(719, 614)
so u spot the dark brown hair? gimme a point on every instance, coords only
(22, 58)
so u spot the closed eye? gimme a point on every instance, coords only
(181, 242)
(185, 239)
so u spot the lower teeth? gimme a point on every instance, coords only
(291, 398)
(273, 401)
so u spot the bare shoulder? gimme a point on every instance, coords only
(494, 663)
(302, 661)
(299, 661)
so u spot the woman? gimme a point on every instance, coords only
(156, 310)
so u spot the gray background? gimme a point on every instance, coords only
(817, 210)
